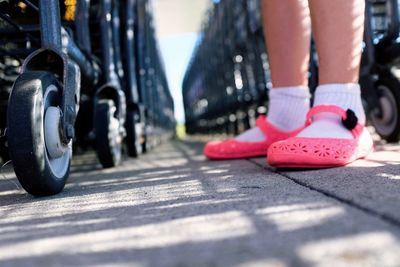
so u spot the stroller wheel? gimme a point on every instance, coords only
(387, 122)
(108, 134)
(134, 135)
(41, 161)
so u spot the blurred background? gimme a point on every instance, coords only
(178, 23)
(171, 207)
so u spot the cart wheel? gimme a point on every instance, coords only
(108, 135)
(4, 149)
(41, 161)
(387, 123)
(4, 96)
(134, 135)
(145, 144)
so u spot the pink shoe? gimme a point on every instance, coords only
(234, 149)
(303, 152)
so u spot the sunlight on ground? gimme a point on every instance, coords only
(263, 263)
(298, 216)
(172, 199)
(390, 176)
(353, 250)
(384, 154)
(227, 225)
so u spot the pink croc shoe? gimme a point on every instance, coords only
(234, 149)
(303, 152)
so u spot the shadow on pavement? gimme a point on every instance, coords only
(171, 207)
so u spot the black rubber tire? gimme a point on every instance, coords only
(4, 96)
(388, 86)
(145, 144)
(4, 149)
(25, 120)
(133, 140)
(109, 155)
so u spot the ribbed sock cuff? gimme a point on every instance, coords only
(292, 91)
(346, 96)
(288, 107)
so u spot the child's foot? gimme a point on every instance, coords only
(286, 116)
(237, 149)
(334, 136)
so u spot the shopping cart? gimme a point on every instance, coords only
(58, 49)
(379, 75)
(226, 82)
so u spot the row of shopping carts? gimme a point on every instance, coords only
(227, 81)
(78, 73)
(227, 78)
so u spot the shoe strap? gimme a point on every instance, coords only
(349, 118)
(269, 130)
(261, 123)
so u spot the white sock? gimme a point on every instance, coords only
(329, 125)
(288, 107)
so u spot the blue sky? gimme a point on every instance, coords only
(176, 51)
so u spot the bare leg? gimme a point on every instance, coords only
(287, 29)
(338, 30)
(287, 26)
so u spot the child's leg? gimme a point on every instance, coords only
(287, 28)
(326, 142)
(338, 30)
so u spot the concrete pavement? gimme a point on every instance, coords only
(171, 207)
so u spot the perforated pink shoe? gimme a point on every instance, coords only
(303, 152)
(234, 149)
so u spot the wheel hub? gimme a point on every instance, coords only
(385, 122)
(387, 110)
(55, 148)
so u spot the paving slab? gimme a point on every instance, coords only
(372, 184)
(172, 207)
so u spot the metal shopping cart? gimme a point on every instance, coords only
(379, 75)
(49, 50)
(226, 83)
(60, 48)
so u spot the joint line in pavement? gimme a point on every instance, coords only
(384, 217)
